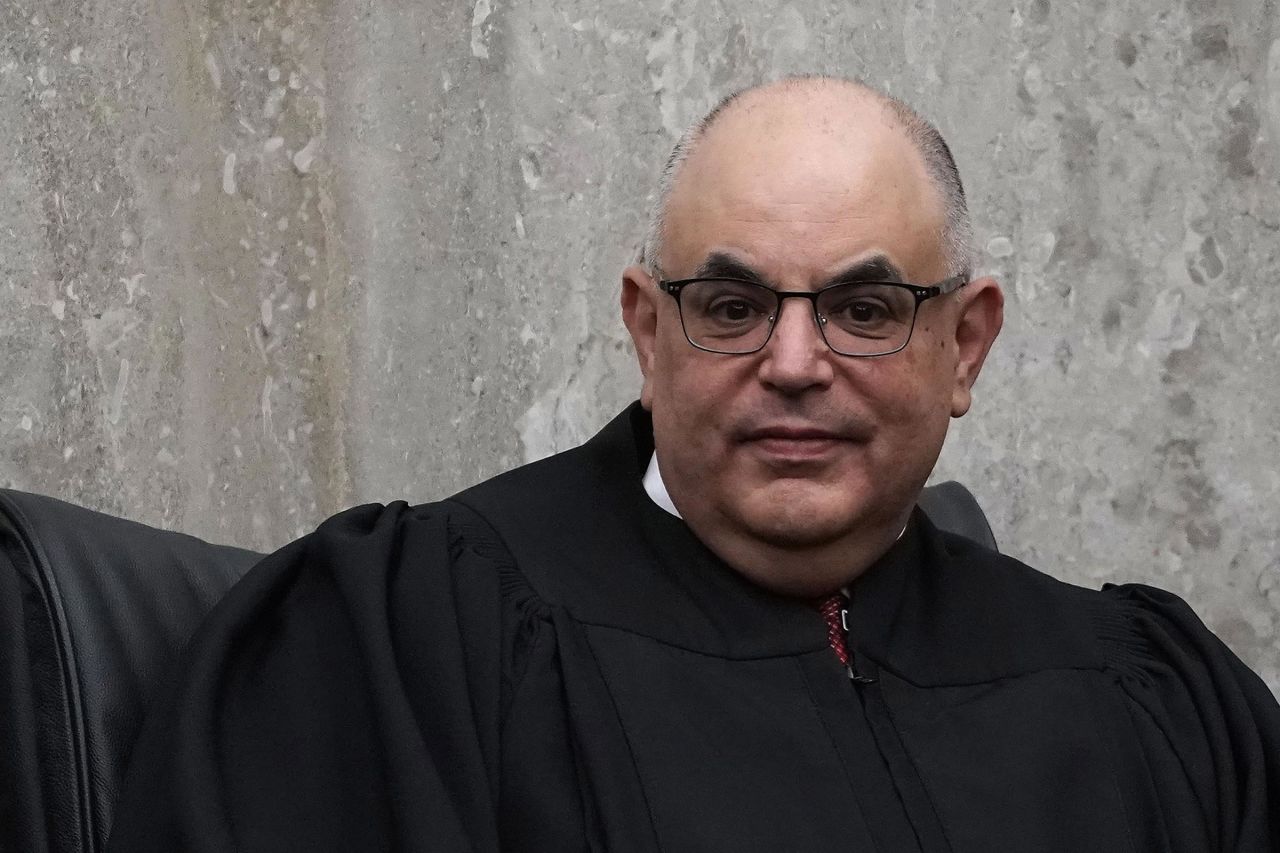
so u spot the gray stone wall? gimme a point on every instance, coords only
(264, 260)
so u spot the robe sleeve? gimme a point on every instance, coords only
(1208, 726)
(346, 695)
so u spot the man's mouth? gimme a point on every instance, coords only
(792, 433)
(794, 443)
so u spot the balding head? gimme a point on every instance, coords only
(797, 460)
(823, 106)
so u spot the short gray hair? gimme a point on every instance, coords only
(957, 231)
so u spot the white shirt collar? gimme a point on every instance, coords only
(656, 489)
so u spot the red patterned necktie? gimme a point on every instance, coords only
(831, 608)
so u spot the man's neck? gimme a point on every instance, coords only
(656, 489)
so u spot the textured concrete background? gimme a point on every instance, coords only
(264, 260)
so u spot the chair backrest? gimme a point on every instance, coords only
(953, 508)
(93, 611)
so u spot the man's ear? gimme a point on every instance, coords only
(981, 316)
(640, 314)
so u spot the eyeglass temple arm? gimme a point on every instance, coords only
(952, 284)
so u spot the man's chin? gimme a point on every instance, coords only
(799, 525)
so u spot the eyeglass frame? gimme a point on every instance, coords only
(921, 292)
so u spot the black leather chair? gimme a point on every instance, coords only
(93, 611)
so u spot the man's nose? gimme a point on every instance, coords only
(797, 357)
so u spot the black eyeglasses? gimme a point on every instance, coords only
(861, 319)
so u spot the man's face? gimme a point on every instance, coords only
(795, 447)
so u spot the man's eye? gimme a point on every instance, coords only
(733, 310)
(863, 311)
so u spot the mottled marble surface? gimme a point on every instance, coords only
(264, 260)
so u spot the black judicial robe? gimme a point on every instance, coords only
(549, 662)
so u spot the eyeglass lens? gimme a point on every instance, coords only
(862, 318)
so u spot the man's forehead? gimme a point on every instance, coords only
(832, 141)
(836, 172)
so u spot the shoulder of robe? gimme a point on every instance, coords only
(1027, 620)
(386, 625)
(1149, 637)
(1201, 714)
(1135, 629)
(373, 538)
(992, 575)
(1144, 630)
(384, 529)
(439, 557)
(1015, 600)
(1153, 638)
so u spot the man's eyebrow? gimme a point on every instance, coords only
(722, 265)
(874, 268)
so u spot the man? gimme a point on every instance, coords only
(645, 643)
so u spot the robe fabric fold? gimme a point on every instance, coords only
(550, 662)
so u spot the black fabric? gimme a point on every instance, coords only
(953, 508)
(550, 662)
(92, 610)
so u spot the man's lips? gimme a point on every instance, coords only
(794, 443)
(785, 433)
